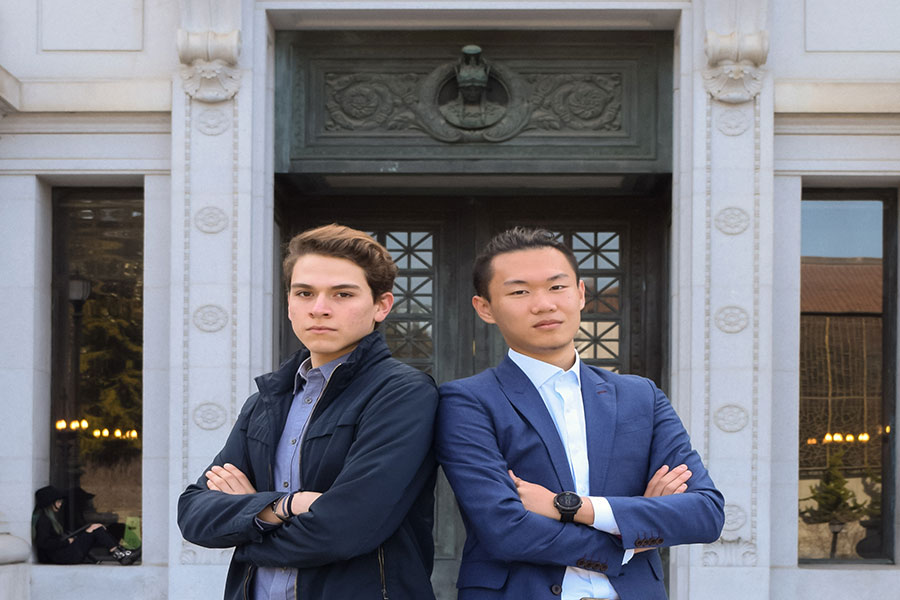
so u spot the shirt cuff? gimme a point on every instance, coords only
(604, 520)
(264, 526)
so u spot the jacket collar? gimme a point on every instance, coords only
(280, 382)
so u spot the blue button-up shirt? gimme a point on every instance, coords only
(561, 392)
(274, 583)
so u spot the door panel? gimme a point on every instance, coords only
(619, 245)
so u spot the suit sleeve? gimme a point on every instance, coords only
(387, 467)
(694, 517)
(468, 450)
(215, 519)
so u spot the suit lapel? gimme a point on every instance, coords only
(600, 424)
(528, 402)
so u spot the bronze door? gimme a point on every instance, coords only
(620, 246)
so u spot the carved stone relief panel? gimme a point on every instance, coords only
(433, 97)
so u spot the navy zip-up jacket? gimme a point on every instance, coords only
(367, 449)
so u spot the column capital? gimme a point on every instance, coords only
(734, 73)
(209, 64)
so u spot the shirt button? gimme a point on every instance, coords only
(556, 589)
(308, 400)
(285, 484)
(293, 441)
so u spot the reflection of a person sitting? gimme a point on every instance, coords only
(471, 108)
(55, 546)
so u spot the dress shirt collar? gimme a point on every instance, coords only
(306, 366)
(539, 372)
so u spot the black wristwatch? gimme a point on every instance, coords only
(567, 503)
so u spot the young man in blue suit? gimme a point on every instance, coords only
(562, 470)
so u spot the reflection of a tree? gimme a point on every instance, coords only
(105, 245)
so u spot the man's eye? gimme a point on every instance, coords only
(518, 292)
(302, 293)
(558, 287)
(344, 295)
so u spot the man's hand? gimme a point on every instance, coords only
(228, 479)
(666, 482)
(535, 498)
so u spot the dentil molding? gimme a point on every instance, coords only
(209, 64)
(734, 74)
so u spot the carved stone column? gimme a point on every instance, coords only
(732, 207)
(210, 242)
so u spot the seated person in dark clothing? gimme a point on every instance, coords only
(54, 546)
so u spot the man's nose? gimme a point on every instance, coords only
(543, 303)
(321, 306)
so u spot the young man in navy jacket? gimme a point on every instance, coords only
(569, 477)
(325, 484)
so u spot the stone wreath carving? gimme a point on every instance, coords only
(211, 219)
(210, 318)
(732, 220)
(735, 517)
(732, 319)
(212, 121)
(731, 418)
(733, 122)
(473, 100)
(209, 415)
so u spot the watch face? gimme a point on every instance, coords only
(568, 500)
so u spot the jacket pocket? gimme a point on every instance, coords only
(483, 574)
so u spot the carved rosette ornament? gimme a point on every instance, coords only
(209, 64)
(734, 74)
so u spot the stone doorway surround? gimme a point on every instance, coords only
(224, 241)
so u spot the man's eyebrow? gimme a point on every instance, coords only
(339, 286)
(556, 277)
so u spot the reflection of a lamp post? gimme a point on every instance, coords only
(835, 527)
(79, 291)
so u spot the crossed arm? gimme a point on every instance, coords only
(539, 500)
(231, 480)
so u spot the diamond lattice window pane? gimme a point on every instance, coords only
(598, 340)
(596, 249)
(411, 249)
(409, 339)
(413, 295)
(602, 295)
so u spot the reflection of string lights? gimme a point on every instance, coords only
(75, 425)
(838, 438)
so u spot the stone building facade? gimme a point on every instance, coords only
(754, 103)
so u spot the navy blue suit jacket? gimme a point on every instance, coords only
(497, 420)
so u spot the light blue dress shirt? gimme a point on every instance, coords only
(561, 393)
(274, 583)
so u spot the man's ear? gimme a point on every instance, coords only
(581, 292)
(483, 308)
(383, 306)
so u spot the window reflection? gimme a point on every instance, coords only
(97, 357)
(843, 425)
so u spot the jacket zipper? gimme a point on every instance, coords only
(384, 594)
(246, 593)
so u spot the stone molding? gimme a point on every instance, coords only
(209, 64)
(13, 549)
(735, 74)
